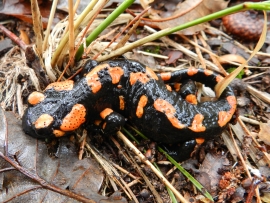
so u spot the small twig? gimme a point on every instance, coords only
(147, 181)
(175, 16)
(71, 58)
(125, 171)
(119, 148)
(125, 28)
(111, 172)
(259, 94)
(82, 144)
(71, 32)
(104, 24)
(22, 193)
(89, 48)
(37, 25)
(6, 169)
(13, 37)
(253, 139)
(199, 53)
(77, 23)
(44, 183)
(19, 99)
(154, 55)
(168, 41)
(134, 182)
(239, 154)
(249, 120)
(167, 31)
(254, 76)
(50, 21)
(90, 23)
(148, 163)
(212, 55)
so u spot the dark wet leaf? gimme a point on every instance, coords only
(5, 46)
(185, 12)
(22, 9)
(230, 48)
(41, 178)
(210, 166)
(174, 55)
(264, 134)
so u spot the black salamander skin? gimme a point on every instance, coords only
(116, 90)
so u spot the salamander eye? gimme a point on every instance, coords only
(35, 98)
(58, 133)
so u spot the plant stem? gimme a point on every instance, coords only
(187, 174)
(65, 38)
(103, 25)
(157, 35)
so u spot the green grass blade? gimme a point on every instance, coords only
(120, 9)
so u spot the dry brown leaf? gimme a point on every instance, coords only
(210, 166)
(264, 133)
(174, 55)
(22, 9)
(266, 197)
(226, 81)
(190, 10)
(232, 57)
(60, 177)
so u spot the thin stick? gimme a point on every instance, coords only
(71, 32)
(164, 32)
(149, 164)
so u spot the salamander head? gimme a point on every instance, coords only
(49, 117)
(37, 126)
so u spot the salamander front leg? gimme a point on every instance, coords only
(113, 121)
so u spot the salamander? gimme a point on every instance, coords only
(111, 92)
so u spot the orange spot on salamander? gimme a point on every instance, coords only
(142, 102)
(93, 82)
(191, 98)
(200, 140)
(219, 78)
(35, 98)
(59, 133)
(142, 77)
(166, 108)
(121, 102)
(74, 119)
(93, 79)
(225, 116)
(208, 72)
(116, 73)
(104, 125)
(97, 122)
(197, 125)
(165, 76)
(192, 71)
(169, 88)
(105, 113)
(43, 121)
(139, 76)
(177, 86)
(60, 86)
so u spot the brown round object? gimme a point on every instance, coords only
(244, 25)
